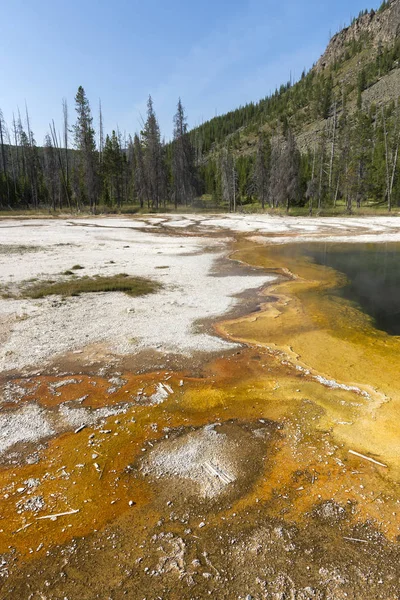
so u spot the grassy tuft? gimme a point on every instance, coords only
(77, 268)
(17, 249)
(133, 286)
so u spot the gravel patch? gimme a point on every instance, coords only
(29, 424)
(76, 417)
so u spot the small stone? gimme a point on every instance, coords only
(196, 562)
(202, 524)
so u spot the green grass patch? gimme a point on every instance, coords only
(133, 286)
(17, 249)
(77, 268)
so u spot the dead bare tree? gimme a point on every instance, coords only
(261, 175)
(3, 157)
(312, 186)
(333, 146)
(57, 148)
(66, 141)
(228, 179)
(391, 155)
(101, 134)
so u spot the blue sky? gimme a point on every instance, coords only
(215, 54)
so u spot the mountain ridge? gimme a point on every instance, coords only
(348, 52)
(381, 26)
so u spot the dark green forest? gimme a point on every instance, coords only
(314, 145)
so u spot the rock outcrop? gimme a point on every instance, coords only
(381, 28)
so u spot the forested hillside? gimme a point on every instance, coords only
(329, 140)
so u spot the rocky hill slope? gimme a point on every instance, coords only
(360, 65)
(376, 28)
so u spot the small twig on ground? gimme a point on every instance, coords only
(377, 498)
(64, 514)
(368, 458)
(350, 539)
(24, 527)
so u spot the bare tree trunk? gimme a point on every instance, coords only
(234, 188)
(32, 162)
(101, 134)
(16, 145)
(65, 135)
(394, 168)
(57, 148)
(310, 207)
(320, 183)
(332, 152)
(336, 192)
(14, 175)
(358, 185)
(389, 198)
(3, 157)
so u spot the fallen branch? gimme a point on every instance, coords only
(349, 539)
(368, 458)
(24, 527)
(54, 517)
(225, 477)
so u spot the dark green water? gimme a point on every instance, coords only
(373, 273)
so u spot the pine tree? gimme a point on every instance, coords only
(183, 169)
(113, 169)
(153, 158)
(141, 187)
(86, 145)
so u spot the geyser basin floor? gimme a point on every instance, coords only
(287, 511)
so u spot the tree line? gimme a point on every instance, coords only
(96, 169)
(143, 171)
(352, 159)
